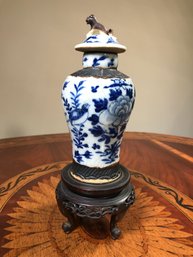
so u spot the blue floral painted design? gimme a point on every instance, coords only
(67, 106)
(117, 83)
(113, 112)
(96, 61)
(96, 146)
(97, 126)
(65, 85)
(85, 59)
(111, 40)
(111, 152)
(114, 94)
(116, 113)
(120, 109)
(79, 136)
(100, 104)
(103, 134)
(94, 89)
(97, 39)
(75, 95)
(130, 92)
(106, 60)
(111, 62)
(77, 114)
(87, 154)
(92, 39)
(94, 119)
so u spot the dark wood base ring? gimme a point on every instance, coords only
(81, 209)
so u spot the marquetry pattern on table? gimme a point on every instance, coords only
(150, 227)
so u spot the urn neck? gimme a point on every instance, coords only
(102, 60)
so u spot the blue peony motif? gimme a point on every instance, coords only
(121, 107)
(117, 111)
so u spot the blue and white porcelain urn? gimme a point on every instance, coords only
(97, 100)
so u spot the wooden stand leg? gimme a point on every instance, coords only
(72, 222)
(114, 229)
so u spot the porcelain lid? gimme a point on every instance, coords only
(100, 40)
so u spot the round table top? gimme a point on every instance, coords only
(160, 223)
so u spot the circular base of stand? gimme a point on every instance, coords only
(86, 204)
(92, 189)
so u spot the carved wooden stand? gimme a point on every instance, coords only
(86, 203)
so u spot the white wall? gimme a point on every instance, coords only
(37, 38)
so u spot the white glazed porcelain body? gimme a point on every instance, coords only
(97, 111)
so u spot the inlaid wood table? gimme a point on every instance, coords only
(160, 223)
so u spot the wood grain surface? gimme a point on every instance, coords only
(159, 224)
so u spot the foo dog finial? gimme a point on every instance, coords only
(92, 21)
